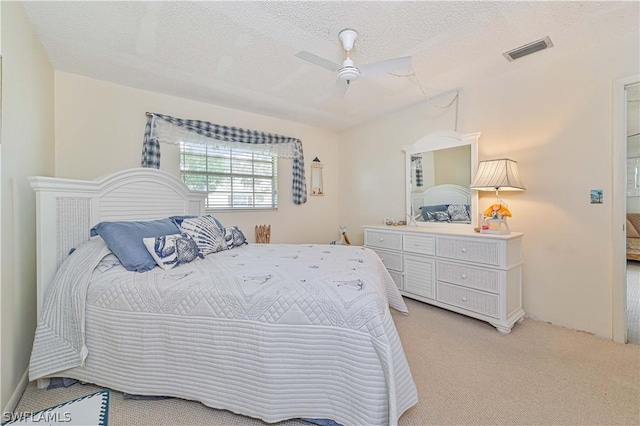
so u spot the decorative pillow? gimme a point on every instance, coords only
(438, 217)
(234, 237)
(170, 251)
(206, 233)
(178, 219)
(434, 208)
(631, 230)
(458, 213)
(124, 239)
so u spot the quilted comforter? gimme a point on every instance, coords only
(268, 331)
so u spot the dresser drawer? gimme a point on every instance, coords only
(392, 261)
(381, 239)
(423, 244)
(472, 300)
(486, 252)
(420, 276)
(469, 276)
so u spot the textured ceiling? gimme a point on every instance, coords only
(242, 54)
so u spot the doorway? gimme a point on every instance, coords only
(626, 118)
(632, 95)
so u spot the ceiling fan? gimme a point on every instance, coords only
(347, 72)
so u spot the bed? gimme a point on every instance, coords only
(440, 198)
(264, 330)
(633, 236)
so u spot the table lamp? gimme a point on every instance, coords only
(495, 175)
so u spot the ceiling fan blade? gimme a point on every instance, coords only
(339, 89)
(317, 60)
(389, 65)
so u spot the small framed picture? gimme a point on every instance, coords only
(596, 196)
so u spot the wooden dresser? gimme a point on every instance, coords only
(478, 275)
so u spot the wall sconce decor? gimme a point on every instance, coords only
(316, 177)
(496, 175)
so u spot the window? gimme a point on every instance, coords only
(235, 178)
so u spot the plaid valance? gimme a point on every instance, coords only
(168, 129)
(417, 163)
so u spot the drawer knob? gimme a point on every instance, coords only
(381, 239)
(464, 276)
(417, 244)
(463, 249)
(463, 299)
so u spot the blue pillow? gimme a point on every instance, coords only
(125, 240)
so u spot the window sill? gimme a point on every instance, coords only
(242, 210)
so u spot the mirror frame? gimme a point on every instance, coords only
(317, 186)
(442, 140)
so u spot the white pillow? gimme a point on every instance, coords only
(206, 233)
(170, 251)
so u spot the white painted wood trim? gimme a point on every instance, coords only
(618, 209)
(440, 140)
(17, 393)
(66, 210)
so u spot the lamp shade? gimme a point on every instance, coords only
(501, 174)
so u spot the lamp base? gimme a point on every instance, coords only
(495, 226)
(495, 231)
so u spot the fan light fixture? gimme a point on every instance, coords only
(347, 72)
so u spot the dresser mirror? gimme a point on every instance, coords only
(439, 168)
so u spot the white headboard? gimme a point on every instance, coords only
(440, 194)
(66, 210)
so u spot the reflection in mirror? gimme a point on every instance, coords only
(440, 167)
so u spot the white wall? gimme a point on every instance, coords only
(99, 130)
(554, 118)
(372, 164)
(27, 149)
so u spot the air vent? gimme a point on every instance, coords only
(528, 49)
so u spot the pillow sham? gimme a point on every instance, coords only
(438, 217)
(124, 239)
(170, 251)
(458, 213)
(178, 219)
(234, 237)
(206, 233)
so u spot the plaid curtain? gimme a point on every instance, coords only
(419, 175)
(151, 145)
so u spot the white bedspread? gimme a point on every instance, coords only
(268, 331)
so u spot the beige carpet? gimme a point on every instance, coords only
(466, 373)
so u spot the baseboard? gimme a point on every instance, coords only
(17, 393)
